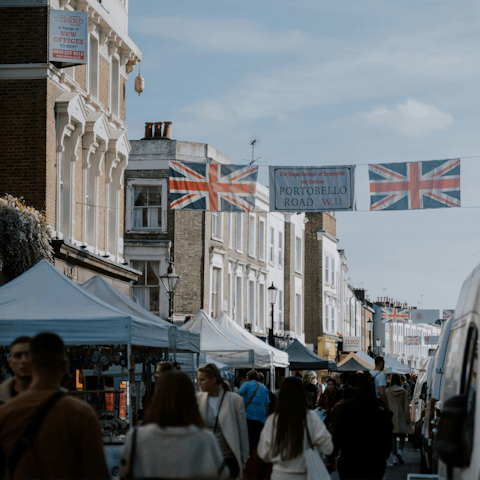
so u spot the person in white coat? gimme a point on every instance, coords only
(284, 437)
(173, 442)
(224, 414)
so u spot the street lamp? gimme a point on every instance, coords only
(170, 281)
(369, 329)
(272, 298)
(378, 342)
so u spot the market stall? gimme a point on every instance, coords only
(301, 358)
(218, 344)
(353, 363)
(394, 366)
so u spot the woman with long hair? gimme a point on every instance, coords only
(173, 442)
(224, 415)
(289, 431)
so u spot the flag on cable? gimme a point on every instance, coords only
(447, 314)
(395, 314)
(412, 340)
(212, 186)
(409, 186)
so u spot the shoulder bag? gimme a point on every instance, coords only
(29, 434)
(316, 469)
(253, 396)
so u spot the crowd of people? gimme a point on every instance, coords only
(352, 420)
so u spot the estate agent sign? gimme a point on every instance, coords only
(68, 38)
(312, 189)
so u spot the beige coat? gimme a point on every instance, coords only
(232, 421)
(398, 403)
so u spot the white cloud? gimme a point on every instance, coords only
(237, 36)
(414, 119)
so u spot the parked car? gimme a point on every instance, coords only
(458, 435)
(419, 399)
(430, 459)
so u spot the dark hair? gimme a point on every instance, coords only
(396, 379)
(212, 371)
(252, 375)
(291, 418)
(378, 361)
(331, 380)
(174, 403)
(47, 351)
(23, 339)
(344, 376)
(306, 378)
(279, 381)
(261, 377)
(352, 380)
(365, 383)
(165, 366)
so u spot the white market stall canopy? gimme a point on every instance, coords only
(180, 339)
(394, 366)
(366, 358)
(266, 356)
(218, 344)
(44, 300)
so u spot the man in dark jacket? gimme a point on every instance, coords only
(362, 434)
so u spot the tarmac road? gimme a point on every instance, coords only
(400, 472)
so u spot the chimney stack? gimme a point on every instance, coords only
(166, 130)
(158, 129)
(148, 129)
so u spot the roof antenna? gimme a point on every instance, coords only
(255, 140)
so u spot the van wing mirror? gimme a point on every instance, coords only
(452, 443)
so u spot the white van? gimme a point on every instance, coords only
(419, 399)
(458, 435)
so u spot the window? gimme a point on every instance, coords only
(333, 271)
(147, 207)
(93, 67)
(333, 320)
(230, 231)
(280, 248)
(238, 301)
(239, 239)
(215, 292)
(146, 291)
(111, 237)
(229, 294)
(271, 245)
(327, 260)
(251, 302)
(251, 235)
(261, 306)
(298, 254)
(327, 308)
(280, 310)
(298, 314)
(261, 239)
(217, 225)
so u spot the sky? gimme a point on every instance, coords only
(331, 83)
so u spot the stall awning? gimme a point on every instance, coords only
(266, 356)
(218, 344)
(45, 300)
(394, 366)
(180, 339)
(353, 363)
(301, 358)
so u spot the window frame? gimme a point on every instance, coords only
(239, 232)
(271, 245)
(298, 314)
(281, 258)
(298, 268)
(251, 248)
(217, 234)
(261, 249)
(129, 214)
(147, 287)
(327, 268)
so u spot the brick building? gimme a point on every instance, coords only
(63, 134)
(225, 258)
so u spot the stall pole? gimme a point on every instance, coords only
(129, 388)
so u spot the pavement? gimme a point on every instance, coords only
(400, 472)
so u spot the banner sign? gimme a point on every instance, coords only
(68, 38)
(432, 340)
(215, 187)
(412, 340)
(352, 344)
(312, 189)
(424, 316)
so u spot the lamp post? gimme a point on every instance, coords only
(170, 281)
(272, 298)
(378, 342)
(369, 329)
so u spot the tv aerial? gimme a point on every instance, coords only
(255, 141)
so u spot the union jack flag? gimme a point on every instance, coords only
(412, 340)
(447, 314)
(409, 186)
(211, 186)
(394, 314)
